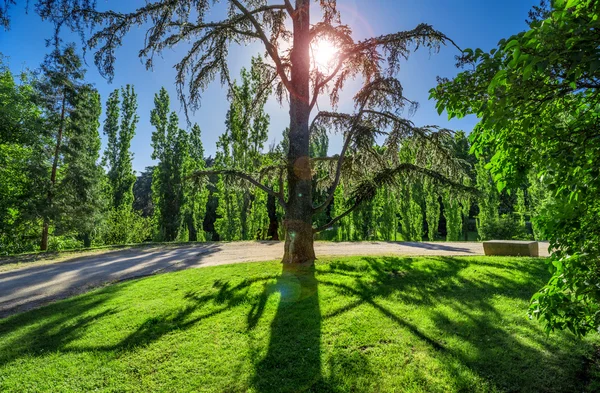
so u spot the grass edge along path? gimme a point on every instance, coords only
(367, 324)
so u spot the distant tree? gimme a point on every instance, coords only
(142, 193)
(196, 192)
(171, 149)
(83, 202)
(119, 128)
(432, 209)
(488, 201)
(59, 88)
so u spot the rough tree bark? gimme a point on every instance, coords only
(299, 246)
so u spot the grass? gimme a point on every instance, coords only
(362, 324)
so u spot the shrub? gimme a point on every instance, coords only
(506, 227)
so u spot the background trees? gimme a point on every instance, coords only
(292, 74)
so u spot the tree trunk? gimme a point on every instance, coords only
(87, 240)
(273, 232)
(192, 232)
(298, 218)
(44, 242)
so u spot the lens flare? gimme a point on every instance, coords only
(323, 54)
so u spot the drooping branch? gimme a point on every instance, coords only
(338, 176)
(244, 176)
(367, 189)
(271, 49)
(365, 57)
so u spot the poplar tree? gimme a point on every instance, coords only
(171, 149)
(432, 209)
(488, 200)
(119, 128)
(195, 193)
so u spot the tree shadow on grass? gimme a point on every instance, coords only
(293, 359)
(505, 356)
(460, 307)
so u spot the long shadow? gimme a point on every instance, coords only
(433, 246)
(35, 284)
(499, 356)
(293, 359)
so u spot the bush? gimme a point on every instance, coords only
(126, 226)
(59, 243)
(507, 227)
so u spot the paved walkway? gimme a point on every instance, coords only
(32, 286)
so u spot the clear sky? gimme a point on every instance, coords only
(470, 23)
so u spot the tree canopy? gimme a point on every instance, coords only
(537, 97)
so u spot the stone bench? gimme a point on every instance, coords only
(511, 248)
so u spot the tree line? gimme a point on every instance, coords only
(58, 193)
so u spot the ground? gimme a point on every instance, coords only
(29, 281)
(360, 324)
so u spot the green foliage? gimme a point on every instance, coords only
(432, 209)
(125, 226)
(452, 213)
(84, 199)
(179, 204)
(537, 98)
(488, 201)
(240, 148)
(228, 224)
(119, 128)
(195, 193)
(521, 208)
(505, 227)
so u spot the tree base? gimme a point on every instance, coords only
(299, 243)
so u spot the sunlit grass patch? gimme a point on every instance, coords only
(351, 324)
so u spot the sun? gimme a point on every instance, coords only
(323, 54)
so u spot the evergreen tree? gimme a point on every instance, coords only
(488, 201)
(520, 207)
(247, 129)
(453, 215)
(287, 32)
(432, 209)
(83, 202)
(62, 81)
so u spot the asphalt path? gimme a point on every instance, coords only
(29, 287)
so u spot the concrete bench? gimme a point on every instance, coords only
(511, 248)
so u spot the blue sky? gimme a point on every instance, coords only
(470, 23)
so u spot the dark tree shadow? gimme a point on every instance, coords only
(300, 357)
(293, 359)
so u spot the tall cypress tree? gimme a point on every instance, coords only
(82, 193)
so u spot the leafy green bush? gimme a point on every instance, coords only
(59, 243)
(125, 226)
(506, 227)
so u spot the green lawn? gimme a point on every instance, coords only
(350, 325)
